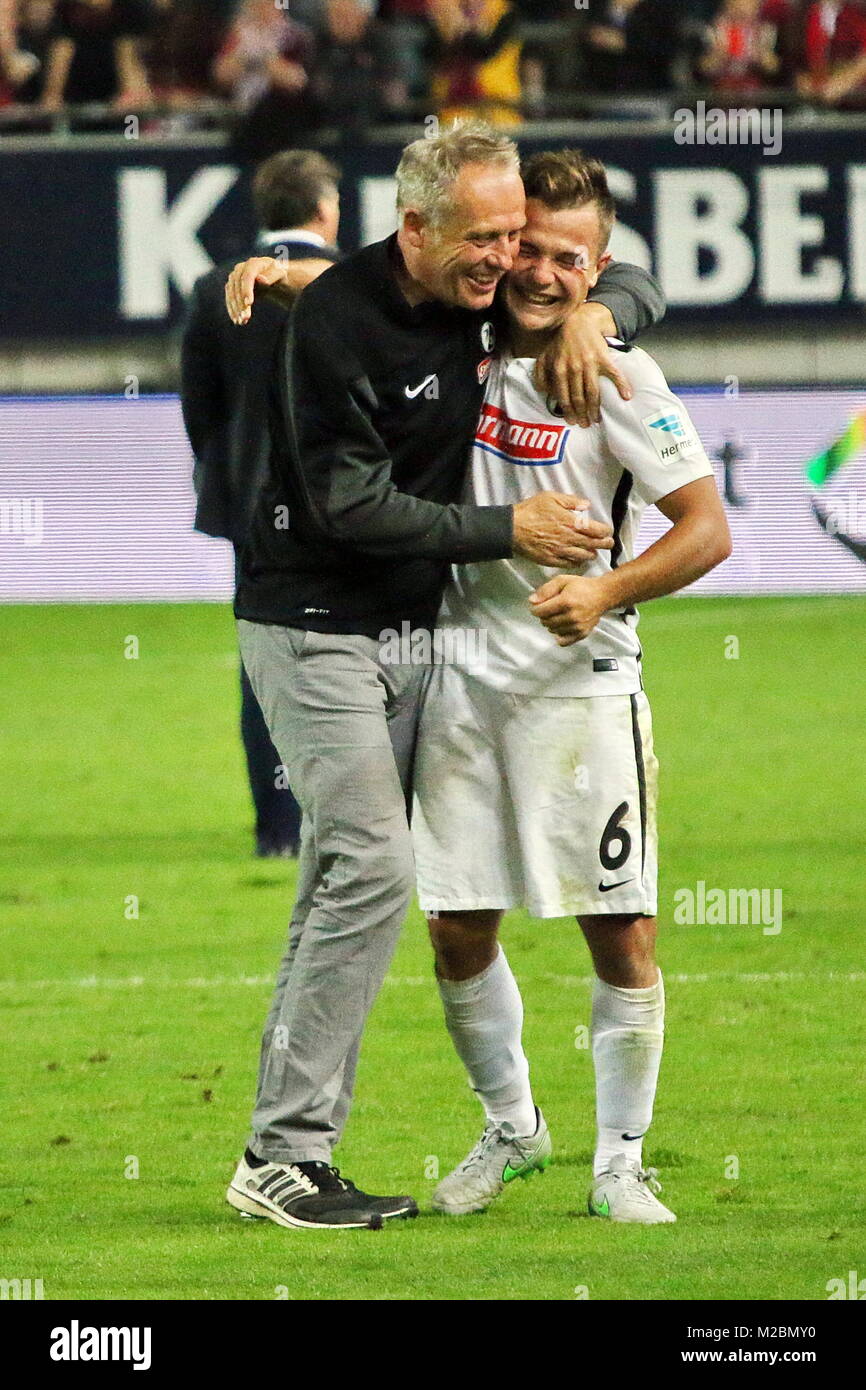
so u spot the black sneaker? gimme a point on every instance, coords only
(329, 1179)
(290, 1195)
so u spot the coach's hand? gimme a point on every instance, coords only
(569, 370)
(552, 528)
(241, 284)
(569, 606)
(282, 280)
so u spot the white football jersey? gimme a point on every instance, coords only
(640, 451)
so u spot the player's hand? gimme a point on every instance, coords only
(570, 368)
(569, 606)
(278, 279)
(241, 284)
(553, 528)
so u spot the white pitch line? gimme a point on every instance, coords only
(416, 981)
(743, 977)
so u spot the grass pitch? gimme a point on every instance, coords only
(130, 1041)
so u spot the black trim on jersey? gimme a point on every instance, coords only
(618, 508)
(641, 778)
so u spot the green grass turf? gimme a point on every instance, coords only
(125, 777)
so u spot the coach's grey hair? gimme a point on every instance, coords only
(429, 166)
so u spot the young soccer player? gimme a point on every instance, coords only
(535, 774)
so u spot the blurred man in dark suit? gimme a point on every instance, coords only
(225, 408)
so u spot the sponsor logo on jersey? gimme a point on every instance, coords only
(534, 442)
(672, 434)
(671, 424)
(488, 336)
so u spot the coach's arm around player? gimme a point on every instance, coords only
(347, 472)
(568, 370)
(346, 469)
(275, 279)
(570, 606)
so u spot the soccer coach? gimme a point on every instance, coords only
(374, 404)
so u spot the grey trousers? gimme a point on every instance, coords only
(344, 726)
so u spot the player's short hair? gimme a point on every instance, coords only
(429, 166)
(571, 179)
(288, 187)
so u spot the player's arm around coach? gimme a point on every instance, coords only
(376, 394)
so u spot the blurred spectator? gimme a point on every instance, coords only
(11, 74)
(14, 67)
(356, 78)
(186, 40)
(8, 20)
(608, 50)
(819, 30)
(786, 16)
(632, 45)
(741, 54)
(17, 66)
(94, 54)
(407, 20)
(475, 55)
(265, 66)
(835, 53)
(32, 37)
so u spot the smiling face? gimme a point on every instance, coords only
(462, 261)
(558, 261)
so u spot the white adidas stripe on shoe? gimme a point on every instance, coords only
(284, 1194)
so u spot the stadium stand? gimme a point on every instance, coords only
(68, 65)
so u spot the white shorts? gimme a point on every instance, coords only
(544, 803)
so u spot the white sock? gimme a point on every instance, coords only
(627, 1038)
(484, 1016)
